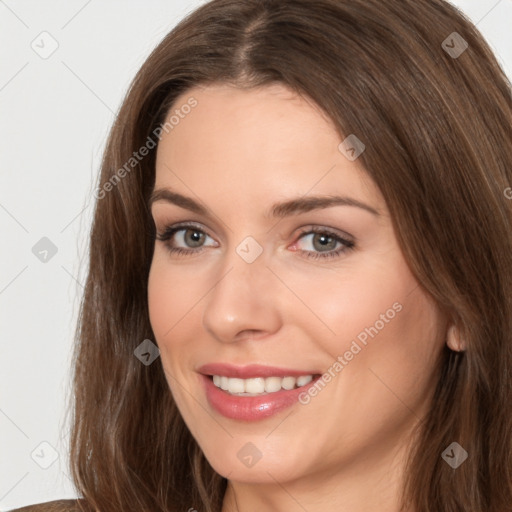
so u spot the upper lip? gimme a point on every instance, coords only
(251, 371)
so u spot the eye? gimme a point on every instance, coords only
(184, 239)
(323, 243)
(187, 239)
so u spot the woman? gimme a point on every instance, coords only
(299, 294)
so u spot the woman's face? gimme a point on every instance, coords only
(283, 283)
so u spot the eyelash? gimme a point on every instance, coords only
(170, 231)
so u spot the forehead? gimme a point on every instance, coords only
(255, 145)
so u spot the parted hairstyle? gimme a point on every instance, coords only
(437, 127)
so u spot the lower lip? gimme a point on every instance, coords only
(251, 408)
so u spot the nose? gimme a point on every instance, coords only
(244, 301)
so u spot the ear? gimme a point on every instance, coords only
(454, 339)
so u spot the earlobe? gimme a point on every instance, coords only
(454, 339)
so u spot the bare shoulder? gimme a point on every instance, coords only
(54, 506)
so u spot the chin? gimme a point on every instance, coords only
(254, 459)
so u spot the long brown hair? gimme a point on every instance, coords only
(437, 126)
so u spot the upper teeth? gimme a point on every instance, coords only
(258, 385)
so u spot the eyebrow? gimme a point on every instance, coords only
(278, 210)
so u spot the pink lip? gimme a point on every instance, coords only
(250, 408)
(251, 371)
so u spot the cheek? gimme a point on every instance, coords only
(391, 378)
(172, 294)
(353, 302)
(407, 353)
(171, 314)
(387, 331)
(175, 294)
(161, 302)
(167, 313)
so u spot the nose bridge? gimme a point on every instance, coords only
(241, 298)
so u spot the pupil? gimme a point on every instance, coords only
(195, 237)
(324, 241)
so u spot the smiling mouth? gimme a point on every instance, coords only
(254, 392)
(259, 386)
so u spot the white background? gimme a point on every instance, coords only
(55, 116)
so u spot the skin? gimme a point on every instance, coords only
(239, 152)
